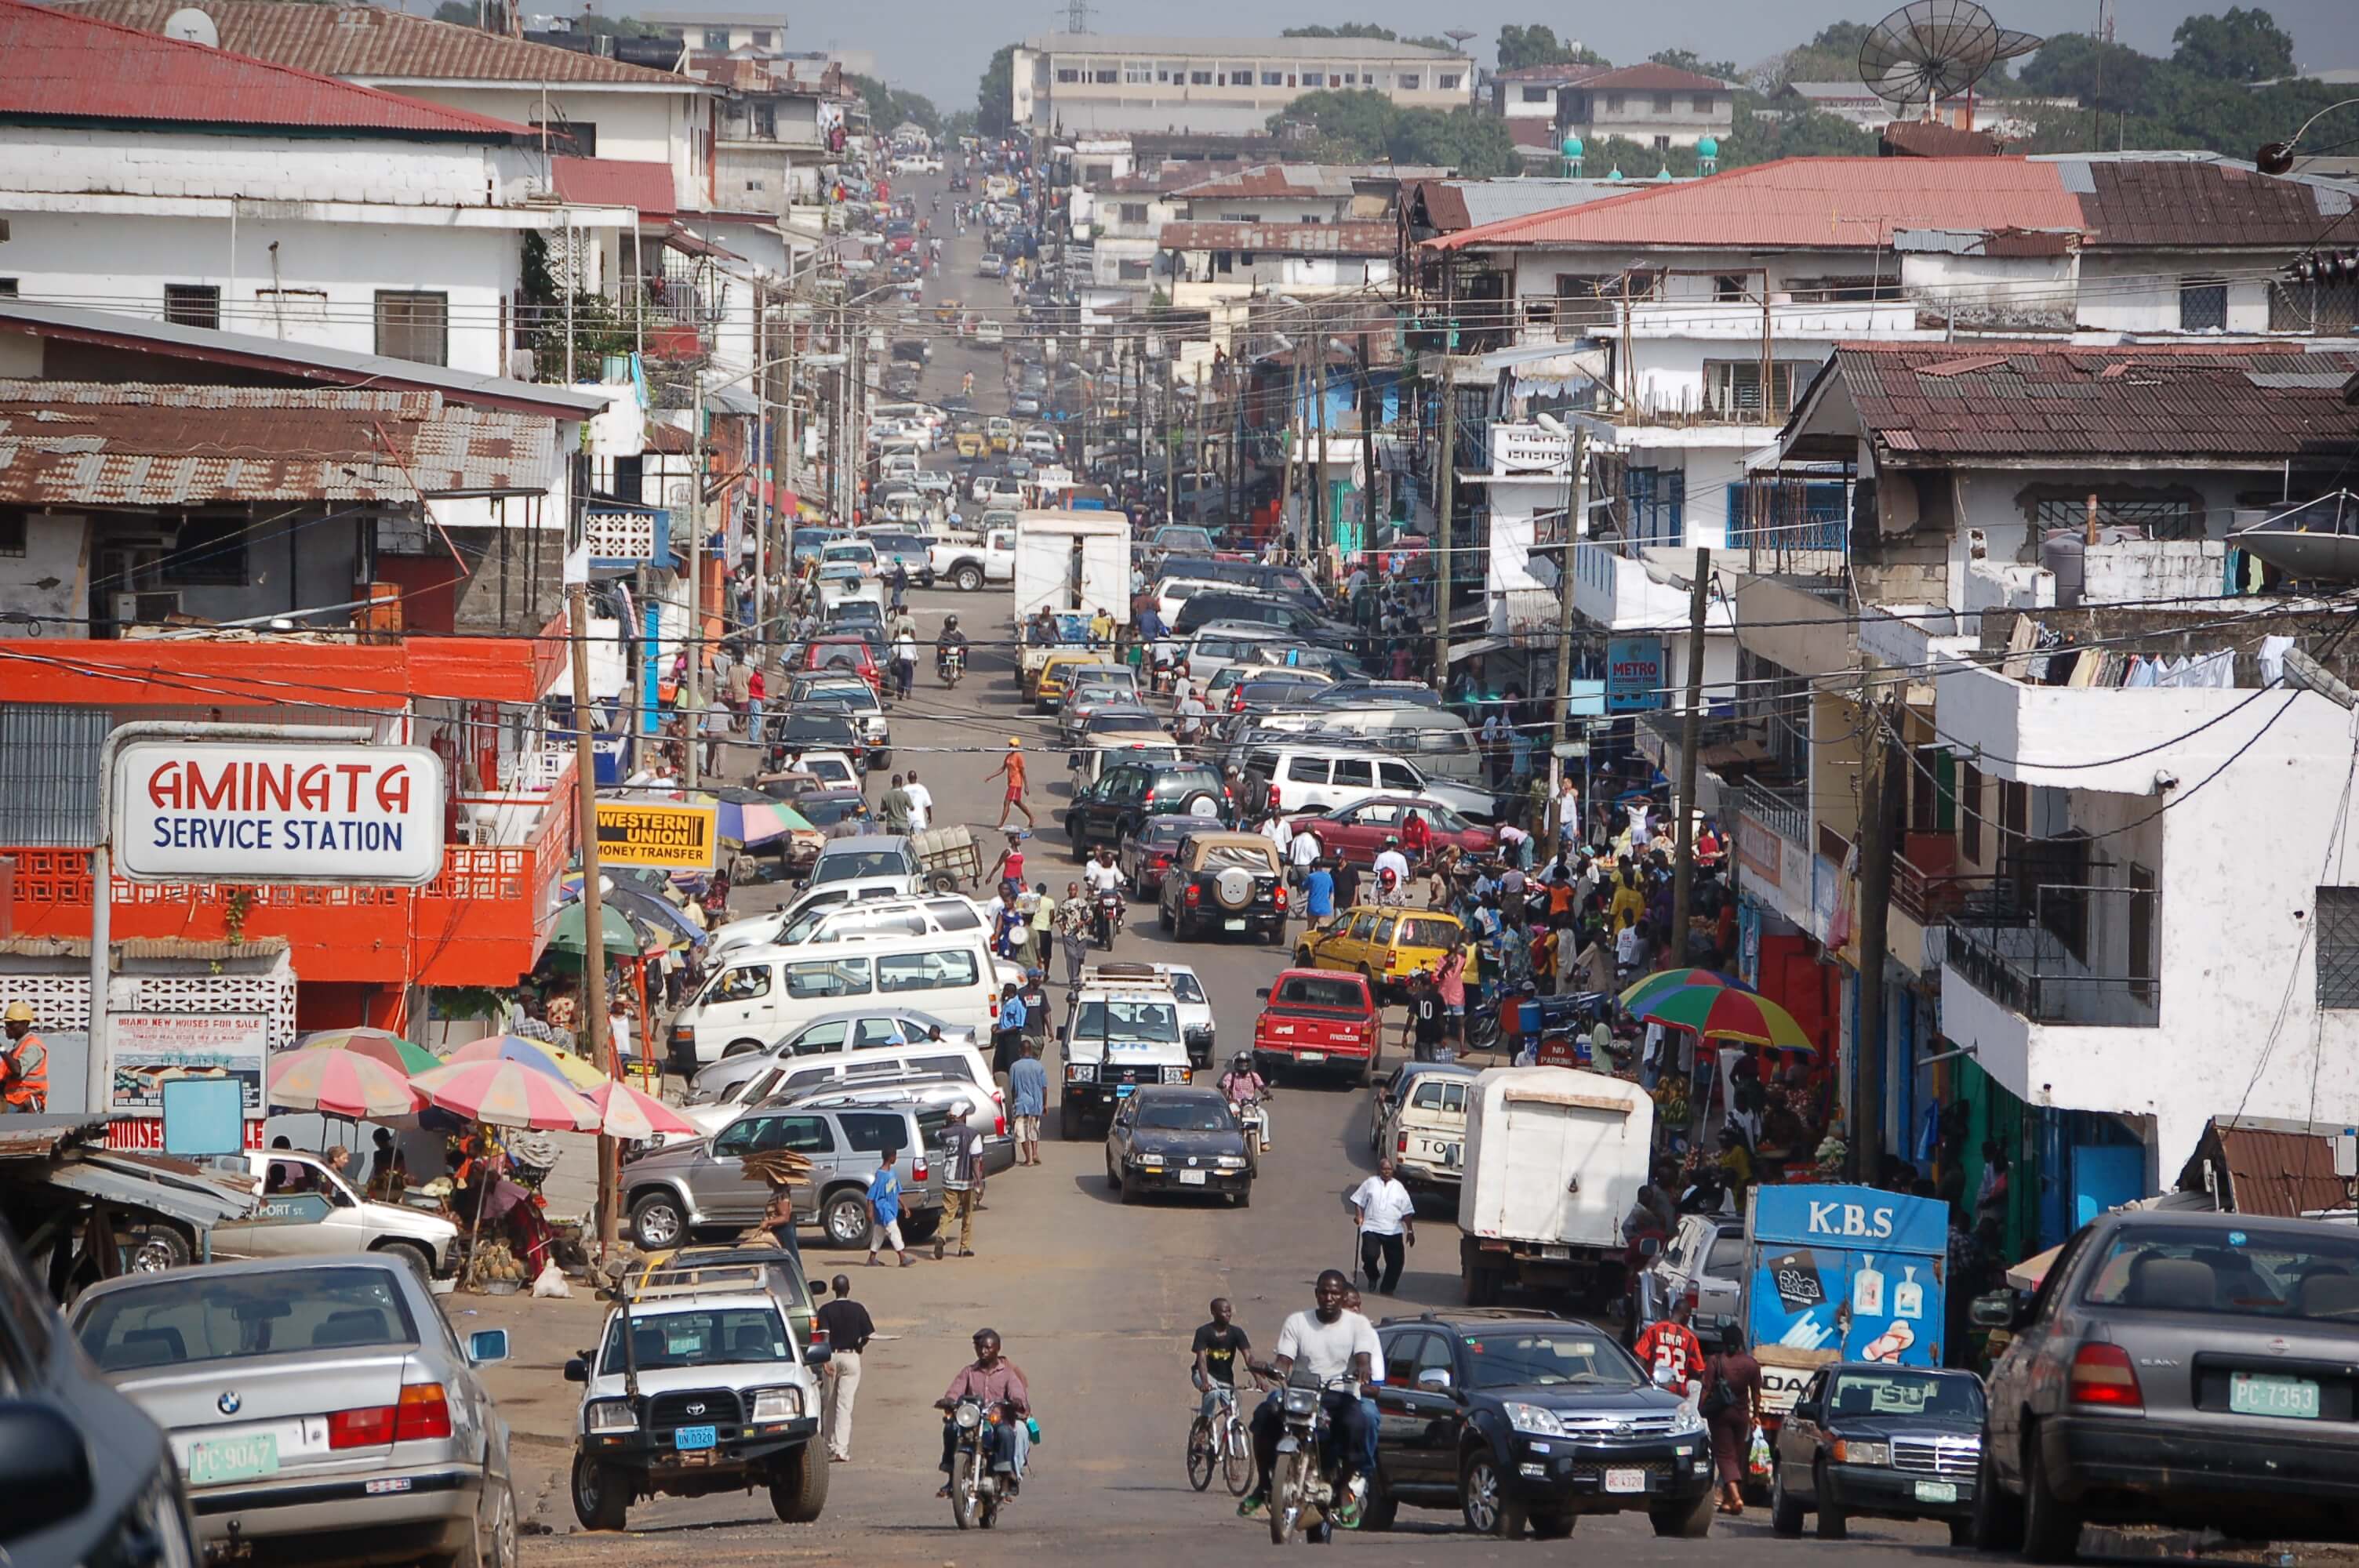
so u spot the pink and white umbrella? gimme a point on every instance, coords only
(633, 1113)
(507, 1093)
(340, 1082)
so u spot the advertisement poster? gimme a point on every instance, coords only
(1844, 1273)
(146, 1051)
(669, 837)
(1634, 674)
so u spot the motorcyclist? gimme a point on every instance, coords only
(1102, 876)
(1328, 1343)
(952, 637)
(1242, 1087)
(993, 1381)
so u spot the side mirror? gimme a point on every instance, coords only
(1650, 1246)
(1434, 1377)
(818, 1355)
(577, 1371)
(1809, 1410)
(47, 1467)
(486, 1346)
(818, 1288)
(1262, 991)
(1997, 1309)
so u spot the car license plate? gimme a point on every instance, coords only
(695, 1437)
(1191, 1178)
(1625, 1480)
(2260, 1393)
(1312, 1056)
(240, 1458)
(1233, 926)
(1555, 1252)
(1937, 1491)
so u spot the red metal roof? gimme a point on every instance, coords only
(2269, 1170)
(56, 65)
(1803, 203)
(1651, 75)
(614, 182)
(1290, 239)
(377, 41)
(1272, 179)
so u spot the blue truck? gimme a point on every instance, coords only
(1841, 1273)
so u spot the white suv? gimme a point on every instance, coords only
(1296, 778)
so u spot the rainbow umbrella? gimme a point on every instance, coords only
(538, 1054)
(1662, 980)
(339, 1083)
(378, 1045)
(632, 1113)
(1717, 1012)
(508, 1094)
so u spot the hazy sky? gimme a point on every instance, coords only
(940, 47)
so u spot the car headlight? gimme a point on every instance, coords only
(1146, 1159)
(1851, 1450)
(777, 1404)
(1538, 1420)
(1232, 1162)
(1080, 1073)
(612, 1415)
(1687, 1421)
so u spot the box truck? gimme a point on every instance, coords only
(1072, 564)
(1554, 1160)
(1841, 1273)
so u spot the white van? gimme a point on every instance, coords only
(1441, 744)
(832, 1067)
(757, 994)
(1320, 776)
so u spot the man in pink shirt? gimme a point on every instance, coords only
(993, 1381)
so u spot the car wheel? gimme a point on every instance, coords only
(1999, 1518)
(154, 1248)
(918, 1228)
(1784, 1513)
(1302, 960)
(1482, 1498)
(1382, 1507)
(799, 1485)
(740, 1048)
(1076, 842)
(1112, 1176)
(420, 1262)
(656, 1222)
(968, 578)
(1833, 1524)
(1129, 1192)
(2051, 1531)
(1068, 1124)
(1691, 1522)
(494, 1542)
(1163, 917)
(1243, 1197)
(846, 1219)
(602, 1498)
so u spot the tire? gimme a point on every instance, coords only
(1302, 960)
(1999, 1518)
(918, 1228)
(1962, 1532)
(1690, 1523)
(1238, 1464)
(1285, 1481)
(1243, 1198)
(1382, 1509)
(420, 1262)
(740, 1048)
(942, 883)
(1076, 843)
(493, 1543)
(2052, 1530)
(1553, 1524)
(1163, 917)
(1481, 1287)
(657, 1222)
(602, 1499)
(1199, 1453)
(1069, 1123)
(966, 1511)
(1834, 1523)
(1112, 1176)
(1784, 1513)
(153, 1249)
(845, 1218)
(799, 1488)
(967, 579)
(1482, 1498)
(879, 757)
(1129, 1192)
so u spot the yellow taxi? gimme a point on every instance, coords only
(970, 443)
(1387, 946)
(1049, 686)
(1002, 431)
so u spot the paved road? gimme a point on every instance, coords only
(1096, 1301)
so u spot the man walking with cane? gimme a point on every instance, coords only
(1387, 1223)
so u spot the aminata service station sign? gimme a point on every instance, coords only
(258, 812)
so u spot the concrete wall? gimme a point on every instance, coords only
(2138, 291)
(1264, 210)
(187, 165)
(634, 127)
(56, 553)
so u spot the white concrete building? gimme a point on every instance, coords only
(1083, 83)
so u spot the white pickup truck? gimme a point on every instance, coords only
(967, 561)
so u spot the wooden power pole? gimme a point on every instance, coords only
(1883, 788)
(1444, 499)
(593, 914)
(1690, 740)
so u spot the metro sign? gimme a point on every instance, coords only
(258, 812)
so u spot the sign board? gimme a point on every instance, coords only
(1759, 847)
(252, 811)
(204, 1116)
(669, 838)
(145, 1134)
(1634, 668)
(145, 1051)
(1845, 1272)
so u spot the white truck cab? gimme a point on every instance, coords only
(1122, 1028)
(306, 1209)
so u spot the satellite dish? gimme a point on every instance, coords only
(192, 25)
(1932, 50)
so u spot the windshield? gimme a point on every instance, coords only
(1904, 1393)
(851, 863)
(1124, 723)
(179, 1320)
(715, 1335)
(1317, 991)
(1185, 1116)
(2312, 1275)
(1152, 1022)
(1185, 987)
(822, 812)
(1525, 1356)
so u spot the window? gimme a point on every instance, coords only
(1401, 1357)
(1356, 773)
(1970, 817)
(1662, 144)
(1172, 71)
(1133, 212)
(826, 978)
(2158, 517)
(1273, 78)
(1703, 104)
(1137, 74)
(2203, 305)
(1663, 102)
(209, 552)
(742, 984)
(1199, 78)
(1067, 74)
(1129, 270)
(1106, 76)
(1656, 500)
(1241, 76)
(1728, 288)
(1538, 94)
(413, 327)
(874, 1131)
(926, 971)
(568, 138)
(12, 530)
(1840, 290)
(8, 288)
(1314, 79)
(192, 305)
(2318, 307)
(2013, 813)
(2338, 948)
(762, 38)
(1733, 386)
(1448, 81)
(1614, 102)
(717, 39)
(1412, 82)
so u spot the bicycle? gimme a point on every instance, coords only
(1220, 1441)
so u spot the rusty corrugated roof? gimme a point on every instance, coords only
(2278, 1173)
(1274, 180)
(2179, 202)
(1934, 138)
(613, 182)
(1286, 239)
(145, 444)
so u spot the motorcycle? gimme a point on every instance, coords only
(1109, 918)
(1302, 1490)
(950, 664)
(976, 1490)
(1253, 1116)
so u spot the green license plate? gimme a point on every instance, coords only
(1937, 1491)
(2261, 1393)
(216, 1459)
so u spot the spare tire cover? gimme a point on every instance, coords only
(1233, 887)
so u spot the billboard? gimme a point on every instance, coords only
(256, 811)
(1634, 671)
(145, 1051)
(1845, 1272)
(669, 837)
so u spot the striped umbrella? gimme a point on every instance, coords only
(378, 1045)
(508, 1094)
(538, 1054)
(630, 1113)
(339, 1083)
(1661, 981)
(1716, 1012)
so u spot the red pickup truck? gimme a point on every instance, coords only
(1317, 1018)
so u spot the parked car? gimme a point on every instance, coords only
(307, 1210)
(874, 1027)
(1306, 773)
(1357, 832)
(1419, 1118)
(1128, 795)
(1178, 1137)
(1521, 1418)
(688, 1189)
(1870, 1439)
(2189, 1369)
(1224, 881)
(1091, 688)
(1144, 856)
(320, 1408)
(840, 652)
(1385, 946)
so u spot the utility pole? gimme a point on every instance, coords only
(1322, 527)
(1690, 740)
(1882, 791)
(692, 694)
(1290, 494)
(1576, 510)
(594, 954)
(1368, 412)
(1171, 439)
(1444, 499)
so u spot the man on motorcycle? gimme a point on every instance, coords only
(951, 639)
(1248, 1093)
(1102, 877)
(993, 1382)
(1329, 1343)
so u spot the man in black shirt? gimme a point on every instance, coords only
(849, 1330)
(1426, 1017)
(1220, 1345)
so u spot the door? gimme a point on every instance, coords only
(717, 1181)
(822, 1039)
(1797, 1440)
(1401, 777)
(1399, 1427)
(1355, 777)
(735, 1006)
(808, 1135)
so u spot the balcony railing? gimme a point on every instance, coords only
(2013, 949)
(1784, 810)
(1924, 887)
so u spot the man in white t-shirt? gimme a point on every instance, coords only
(1327, 1342)
(921, 801)
(1395, 888)
(1387, 1223)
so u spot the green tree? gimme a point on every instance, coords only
(995, 95)
(1686, 59)
(1346, 30)
(2113, 78)
(2240, 46)
(888, 106)
(1368, 127)
(459, 11)
(1537, 44)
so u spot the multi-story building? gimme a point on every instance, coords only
(1655, 105)
(1082, 83)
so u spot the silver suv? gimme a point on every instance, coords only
(676, 1190)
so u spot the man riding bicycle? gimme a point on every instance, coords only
(1219, 1346)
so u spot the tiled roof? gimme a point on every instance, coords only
(1267, 180)
(56, 65)
(2255, 402)
(145, 444)
(1806, 202)
(1290, 239)
(616, 182)
(1651, 75)
(2175, 202)
(376, 41)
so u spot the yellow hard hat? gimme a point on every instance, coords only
(19, 1012)
(1016, 741)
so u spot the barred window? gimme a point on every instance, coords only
(2338, 946)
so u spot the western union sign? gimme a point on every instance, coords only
(669, 837)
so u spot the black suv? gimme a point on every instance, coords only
(1517, 1417)
(1870, 1438)
(1127, 794)
(2178, 1368)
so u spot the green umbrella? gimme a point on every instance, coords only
(572, 933)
